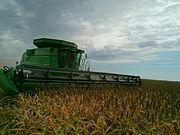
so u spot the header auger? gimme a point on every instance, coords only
(55, 63)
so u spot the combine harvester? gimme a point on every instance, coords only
(56, 63)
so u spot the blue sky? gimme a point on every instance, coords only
(165, 68)
(140, 37)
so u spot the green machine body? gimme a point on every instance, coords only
(53, 53)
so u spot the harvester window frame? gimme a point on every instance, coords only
(69, 58)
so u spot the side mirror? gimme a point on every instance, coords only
(17, 62)
(86, 56)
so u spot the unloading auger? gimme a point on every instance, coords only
(56, 63)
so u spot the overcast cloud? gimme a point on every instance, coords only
(118, 31)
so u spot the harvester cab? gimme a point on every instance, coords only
(55, 63)
(53, 53)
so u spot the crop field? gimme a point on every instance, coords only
(153, 108)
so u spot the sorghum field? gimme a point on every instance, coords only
(153, 108)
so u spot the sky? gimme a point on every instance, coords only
(137, 37)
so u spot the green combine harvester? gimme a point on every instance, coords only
(55, 63)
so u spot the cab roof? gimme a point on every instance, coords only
(54, 43)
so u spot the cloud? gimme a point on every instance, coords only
(110, 31)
